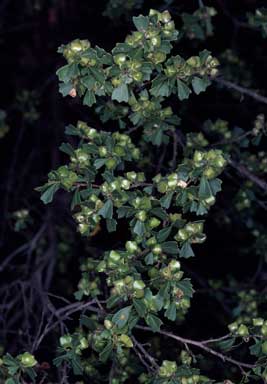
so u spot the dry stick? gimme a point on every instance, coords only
(243, 90)
(64, 313)
(201, 345)
(145, 353)
(246, 173)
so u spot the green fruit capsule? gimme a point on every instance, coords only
(116, 82)
(138, 284)
(170, 26)
(155, 41)
(163, 186)
(102, 151)
(174, 265)
(198, 156)
(159, 57)
(137, 76)
(120, 59)
(137, 36)
(194, 61)
(151, 241)
(220, 162)
(243, 330)
(170, 71)
(264, 347)
(157, 250)
(131, 246)
(114, 256)
(139, 293)
(258, 322)
(185, 358)
(83, 343)
(168, 368)
(125, 184)
(141, 215)
(111, 163)
(125, 340)
(129, 40)
(27, 360)
(83, 228)
(233, 327)
(165, 16)
(183, 234)
(210, 200)
(84, 61)
(264, 330)
(76, 46)
(209, 173)
(153, 222)
(108, 324)
(119, 150)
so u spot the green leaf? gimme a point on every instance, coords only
(65, 88)
(120, 93)
(112, 301)
(153, 322)
(186, 286)
(121, 317)
(140, 307)
(149, 259)
(48, 195)
(186, 250)
(170, 313)
(215, 185)
(10, 381)
(87, 322)
(106, 352)
(255, 349)
(139, 228)
(111, 225)
(66, 148)
(183, 90)
(160, 213)
(140, 22)
(226, 345)
(163, 234)
(204, 189)
(200, 84)
(160, 87)
(76, 200)
(76, 365)
(98, 163)
(98, 75)
(89, 98)
(166, 200)
(68, 72)
(107, 210)
(170, 247)
(31, 373)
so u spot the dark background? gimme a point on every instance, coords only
(30, 33)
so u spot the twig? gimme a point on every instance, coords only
(242, 90)
(249, 175)
(145, 353)
(203, 346)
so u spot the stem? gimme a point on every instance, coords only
(242, 90)
(201, 345)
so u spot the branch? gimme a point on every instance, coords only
(145, 353)
(201, 345)
(242, 90)
(246, 173)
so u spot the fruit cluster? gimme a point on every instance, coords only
(213, 162)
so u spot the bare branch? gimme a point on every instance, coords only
(242, 90)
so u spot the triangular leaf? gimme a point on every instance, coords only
(107, 210)
(182, 90)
